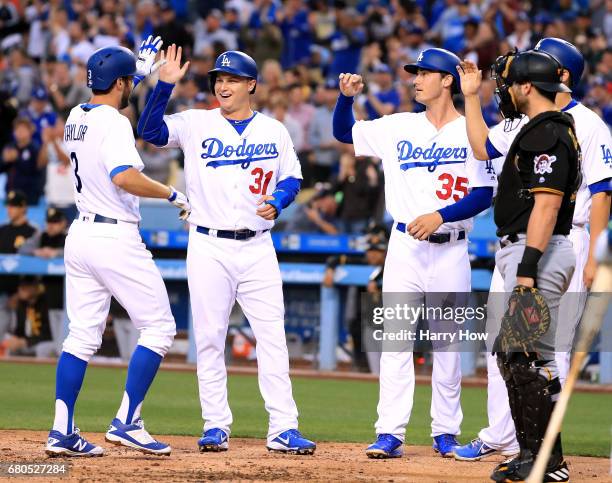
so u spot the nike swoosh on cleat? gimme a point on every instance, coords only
(286, 442)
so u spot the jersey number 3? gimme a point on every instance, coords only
(449, 185)
(261, 181)
(75, 162)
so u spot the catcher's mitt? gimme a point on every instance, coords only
(525, 321)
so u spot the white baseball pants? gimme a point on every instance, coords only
(220, 272)
(104, 260)
(418, 267)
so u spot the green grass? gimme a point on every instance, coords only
(329, 410)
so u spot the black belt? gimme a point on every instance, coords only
(100, 219)
(508, 239)
(243, 234)
(438, 238)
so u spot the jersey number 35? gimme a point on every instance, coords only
(457, 187)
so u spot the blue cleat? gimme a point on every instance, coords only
(445, 444)
(475, 450)
(135, 436)
(291, 442)
(73, 444)
(386, 446)
(214, 439)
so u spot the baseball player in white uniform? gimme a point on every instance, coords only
(425, 162)
(592, 207)
(105, 257)
(241, 171)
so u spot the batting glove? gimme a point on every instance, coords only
(179, 200)
(145, 63)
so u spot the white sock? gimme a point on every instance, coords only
(60, 423)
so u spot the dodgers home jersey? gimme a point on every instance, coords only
(99, 139)
(594, 138)
(227, 173)
(425, 168)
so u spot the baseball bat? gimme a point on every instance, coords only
(596, 308)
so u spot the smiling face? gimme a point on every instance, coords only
(429, 85)
(233, 91)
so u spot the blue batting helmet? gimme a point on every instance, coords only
(438, 60)
(566, 54)
(108, 64)
(233, 62)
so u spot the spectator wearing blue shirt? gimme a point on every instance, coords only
(40, 113)
(297, 33)
(346, 43)
(23, 163)
(449, 27)
(383, 99)
(263, 14)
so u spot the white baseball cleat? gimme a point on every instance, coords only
(135, 436)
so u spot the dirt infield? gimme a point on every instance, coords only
(248, 459)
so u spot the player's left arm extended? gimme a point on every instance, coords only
(151, 125)
(478, 200)
(139, 184)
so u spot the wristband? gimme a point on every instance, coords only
(529, 263)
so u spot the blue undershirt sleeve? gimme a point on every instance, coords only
(151, 125)
(492, 151)
(601, 186)
(479, 199)
(285, 192)
(119, 169)
(343, 119)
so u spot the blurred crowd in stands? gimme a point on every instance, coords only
(300, 46)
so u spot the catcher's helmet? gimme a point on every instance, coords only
(539, 68)
(566, 54)
(109, 64)
(438, 60)
(233, 62)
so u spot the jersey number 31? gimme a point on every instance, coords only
(261, 181)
